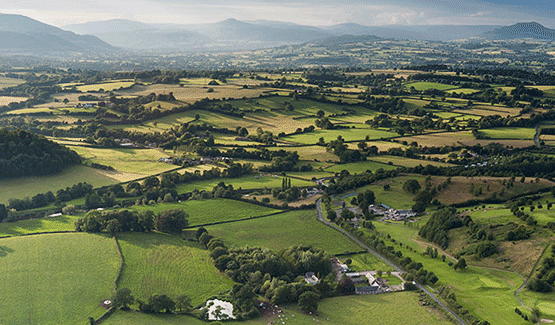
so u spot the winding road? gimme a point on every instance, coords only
(398, 269)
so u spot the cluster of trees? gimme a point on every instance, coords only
(544, 279)
(24, 154)
(284, 163)
(156, 304)
(276, 276)
(43, 199)
(170, 221)
(440, 222)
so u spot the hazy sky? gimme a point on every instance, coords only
(309, 12)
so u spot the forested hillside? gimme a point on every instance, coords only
(24, 154)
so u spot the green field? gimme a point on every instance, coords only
(131, 161)
(107, 86)
(486, 293)
(165, 264)
(510, 133)
(430, 85)
(209, 211)
(30, 186)
(56, 278)
(6, 82)
(282, 231)
(367, 262)
(61, 223)
(347, 134)
(407, 162)
(244, 182)
(395, 196)
(360, 167)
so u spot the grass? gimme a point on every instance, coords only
(56, 278)
(166, 264)
(430, 85)
(395, 197)
(510, 133)
(347, 134)
(6, 100)
(30, 186)
(486, 293)
(107, 86)
(61, 223)
(367, 262)
(407, 162)
(282, 231)
(360, 167)
(138, 162)
(244, 182)
(6, 82)
(355, 310)
(209, 211)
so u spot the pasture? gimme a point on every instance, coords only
(352, 134)
(486, 293)
(460, 138)
(367, 262)
(192, 93)
(106, 86)
(6, 100)
(6, 82)
(259, 181)
(360, 167)
(166, 264)
(56, 278)
(135, 163)
(430, 85)
(510, 133)
(42, 225)
(282, 231)
(209, 211)
(33, 185)
(406, 162)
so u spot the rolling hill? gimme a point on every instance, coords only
(521, 30)
(25, 35)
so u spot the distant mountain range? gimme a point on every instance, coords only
(234, 34)
(20, 34)
(520, 30)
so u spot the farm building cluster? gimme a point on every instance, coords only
(367, 282)
(383, 211)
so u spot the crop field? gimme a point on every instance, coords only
(30, 186)
(165, 264)
(282, 231)
(107, 86)
(486, 293)
(360, 167)
(214, 210)
(430, 85)
(191, 93)
(347, 134)
(311, 153)
(61, 223)
(244, 182)
(510, 133)
(56, 278)
(130, 161)
(301, 107)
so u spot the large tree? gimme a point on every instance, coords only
(308, 301)
(122, 298)
(172, 221)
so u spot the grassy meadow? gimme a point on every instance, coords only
(32, 185)
(23, 227)
(56, 278)
(214, 210)
(244, 182)
(165, 264)
(282, 231)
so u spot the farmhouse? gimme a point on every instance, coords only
(311, 278)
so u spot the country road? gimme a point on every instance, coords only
(370, 250)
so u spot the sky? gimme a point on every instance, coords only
(308, 12)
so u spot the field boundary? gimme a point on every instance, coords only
(238, 220)
(112, 310)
